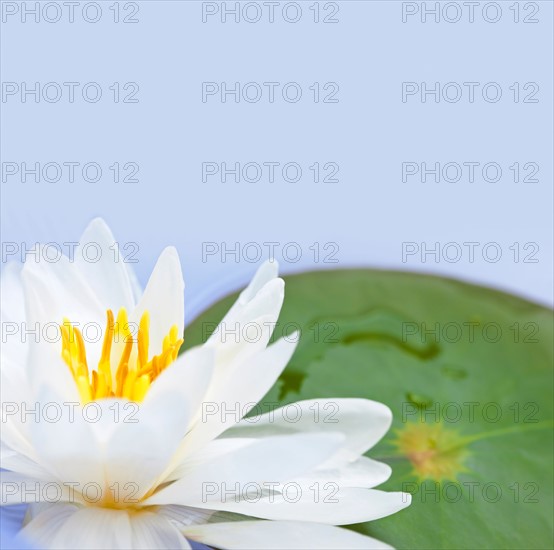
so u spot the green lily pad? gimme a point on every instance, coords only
(468, 374)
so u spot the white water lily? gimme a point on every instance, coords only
(146, 467)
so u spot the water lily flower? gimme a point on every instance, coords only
(106, 433)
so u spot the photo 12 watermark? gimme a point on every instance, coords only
(470, 332)
(270, 172)
(427, 411)
(490, 492)
(270, 492)
(470, 92)
(70, 92)
(290, 252)
(53, 412)
(270, 92)
(54, 252)
(271, 412)
(70, 172)
(470, 252)
(270, 12)
(70, 12)
(470, 12)
(469, 172)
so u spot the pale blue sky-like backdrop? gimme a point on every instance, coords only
(359, 56)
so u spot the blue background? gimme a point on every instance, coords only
(369, 133)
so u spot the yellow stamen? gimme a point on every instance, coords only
(104, 364)
(84, 388)
(134, 373)
(140, 388)
(143, 339)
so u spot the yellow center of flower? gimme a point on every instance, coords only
(123, 370)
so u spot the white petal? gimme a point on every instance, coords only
(15, 394)
(22, 464)
(47, 369)
(210, 451)
(136, 288)
(113, 440)
(246, 330)
(363, 472)
(98, 258)
(248, 325)
(13, 306)
(93, 528)
(54, 290)
(12, 314)
(163, 298)
(152, 531)
(364, 423)
(183, 516)
(189, 376)
(265, 273)
(68, 527)
(67, 447)
(107, 442)
(323, 504)
(277, 535)
(16, 489)
(275, 459)
(138, 453)
(238, 391)
(135, 458)
(42, 529)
